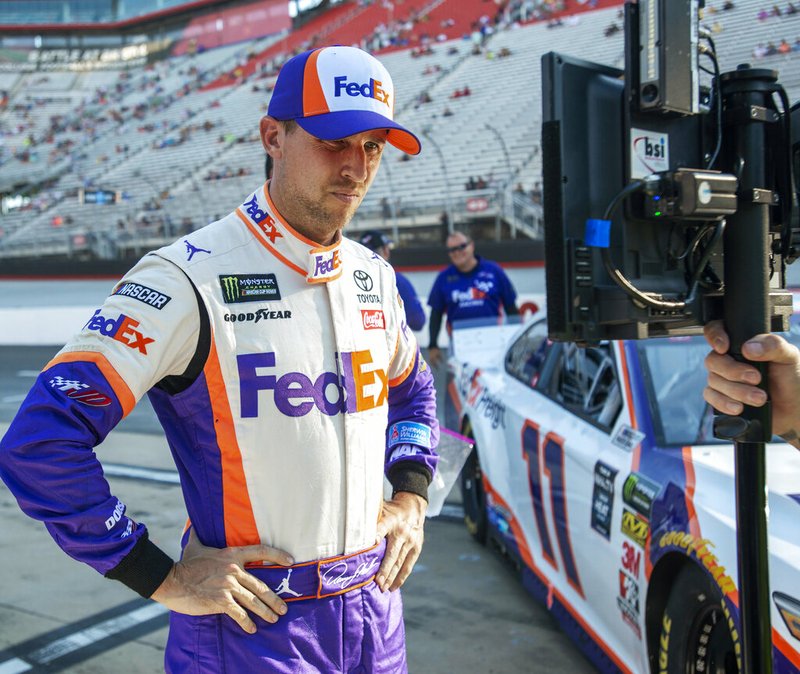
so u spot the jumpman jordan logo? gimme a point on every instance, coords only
(193, 249)
(284, 586)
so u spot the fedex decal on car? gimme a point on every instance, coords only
(295, 394)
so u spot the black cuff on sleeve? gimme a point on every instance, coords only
(410, 476)
(144, 568)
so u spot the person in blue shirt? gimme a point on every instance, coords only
(471, 287)
(381, 244)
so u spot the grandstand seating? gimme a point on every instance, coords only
(492, 133)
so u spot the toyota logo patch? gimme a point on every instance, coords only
(363, 280)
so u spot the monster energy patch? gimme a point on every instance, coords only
(249, 288)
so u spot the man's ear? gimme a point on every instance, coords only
(271, 136)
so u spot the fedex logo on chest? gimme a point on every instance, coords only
(359, 386)
(371, 89)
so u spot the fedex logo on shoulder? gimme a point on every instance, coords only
(122, 329)
(357, 389)
(371, 89)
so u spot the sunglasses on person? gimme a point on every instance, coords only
(460, 246)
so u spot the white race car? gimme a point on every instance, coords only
(597, 472)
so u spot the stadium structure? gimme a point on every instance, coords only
(124, 124)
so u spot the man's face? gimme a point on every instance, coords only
(319, 184)
(461, 251)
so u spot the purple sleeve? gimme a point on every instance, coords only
(413, 430)
(415, 314)
(436, 299)
(48, 463)
(509, 294)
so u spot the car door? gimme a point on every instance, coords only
(568, 467)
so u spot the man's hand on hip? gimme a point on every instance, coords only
(402, 524)
(213, 580)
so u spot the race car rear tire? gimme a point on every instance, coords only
(474, 498)
(695, 636)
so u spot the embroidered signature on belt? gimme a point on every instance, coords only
(339, 574)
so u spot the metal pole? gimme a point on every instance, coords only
(745, 93)
(505, 189)
(392, 204)
(443, 164)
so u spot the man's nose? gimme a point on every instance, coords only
(356, 164)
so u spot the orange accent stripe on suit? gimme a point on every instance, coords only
(240, 524)
(266, 245)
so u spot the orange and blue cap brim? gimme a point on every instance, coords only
(336, 125)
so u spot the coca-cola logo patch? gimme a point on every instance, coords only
(373, 319)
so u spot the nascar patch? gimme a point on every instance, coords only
(409, 432)
(150, 297)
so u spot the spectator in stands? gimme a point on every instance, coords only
(796, 45)
(728, 5)
(381, 244)
(471, 287)
(784, 47)
(791, 9)
(447, 112)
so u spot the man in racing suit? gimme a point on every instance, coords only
(276, 356)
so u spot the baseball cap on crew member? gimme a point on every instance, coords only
(374, 239)
(335, 92)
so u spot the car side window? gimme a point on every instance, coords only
(526, 356)
(584, 380)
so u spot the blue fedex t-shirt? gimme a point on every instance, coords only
(476, 294)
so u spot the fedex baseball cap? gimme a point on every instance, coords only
(335, 92)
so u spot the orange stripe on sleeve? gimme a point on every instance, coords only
(399, 379)
(240, 524)
(123, 392)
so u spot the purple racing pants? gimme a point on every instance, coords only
(338, 621)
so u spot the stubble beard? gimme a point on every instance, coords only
(312, 216)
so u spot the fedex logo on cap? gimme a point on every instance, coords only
(371, 89)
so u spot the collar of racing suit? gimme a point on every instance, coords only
(319, 264)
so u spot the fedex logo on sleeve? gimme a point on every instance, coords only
(122, 329)
(359, 387)
(371, 89)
